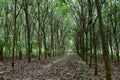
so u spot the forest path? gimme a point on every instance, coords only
(65, 67)
(56, 61)
(56, 68)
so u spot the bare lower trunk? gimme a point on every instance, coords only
(20, 54)
(86, 48)
(28, 31)
(1, 54)
(104, 42)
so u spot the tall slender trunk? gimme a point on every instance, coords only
(95, 52)
(45, 47)
(1, 53)
(110, 39)
(86, 47)
(14, 35)
(110, 42)
(104, 42)
(39, 33)
(6, 28)
(90, 25)
(28, 31)
(82, 33)
(115, 33)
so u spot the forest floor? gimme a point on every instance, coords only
(65, 67)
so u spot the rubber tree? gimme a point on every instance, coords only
(28, 29)
(14, 34)
(39, 29)
(1, 49)
(78, 10)
(90, 22)
(104, 41)
(115, 32)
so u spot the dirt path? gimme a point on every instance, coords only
(66, 67)
(56, 61)
(59, 68)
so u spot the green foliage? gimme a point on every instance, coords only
(34, 53)
(6, 48)
(61, 7)
(5, 44)
(2, 43)
(58, 16)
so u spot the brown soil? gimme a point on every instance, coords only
(66, 67)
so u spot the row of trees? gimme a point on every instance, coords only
(51, 27)
(30, 25)
(98, 29)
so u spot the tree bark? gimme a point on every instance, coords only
(104, 42)
(28, 32)
(1, 53)
(90, 25)
(14, 35)
(39, 33)
(115, 33)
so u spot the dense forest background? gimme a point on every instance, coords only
(48, 28)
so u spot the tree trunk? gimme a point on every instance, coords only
(20, 54)
(39, 33)
(45, 47)
(1, 53)
(95, 50)
(14, 35)
(90, 25)
(110, 42)
(28, 31)
(115, 33)
(86, 47)
(95, 53)
(104, 42)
